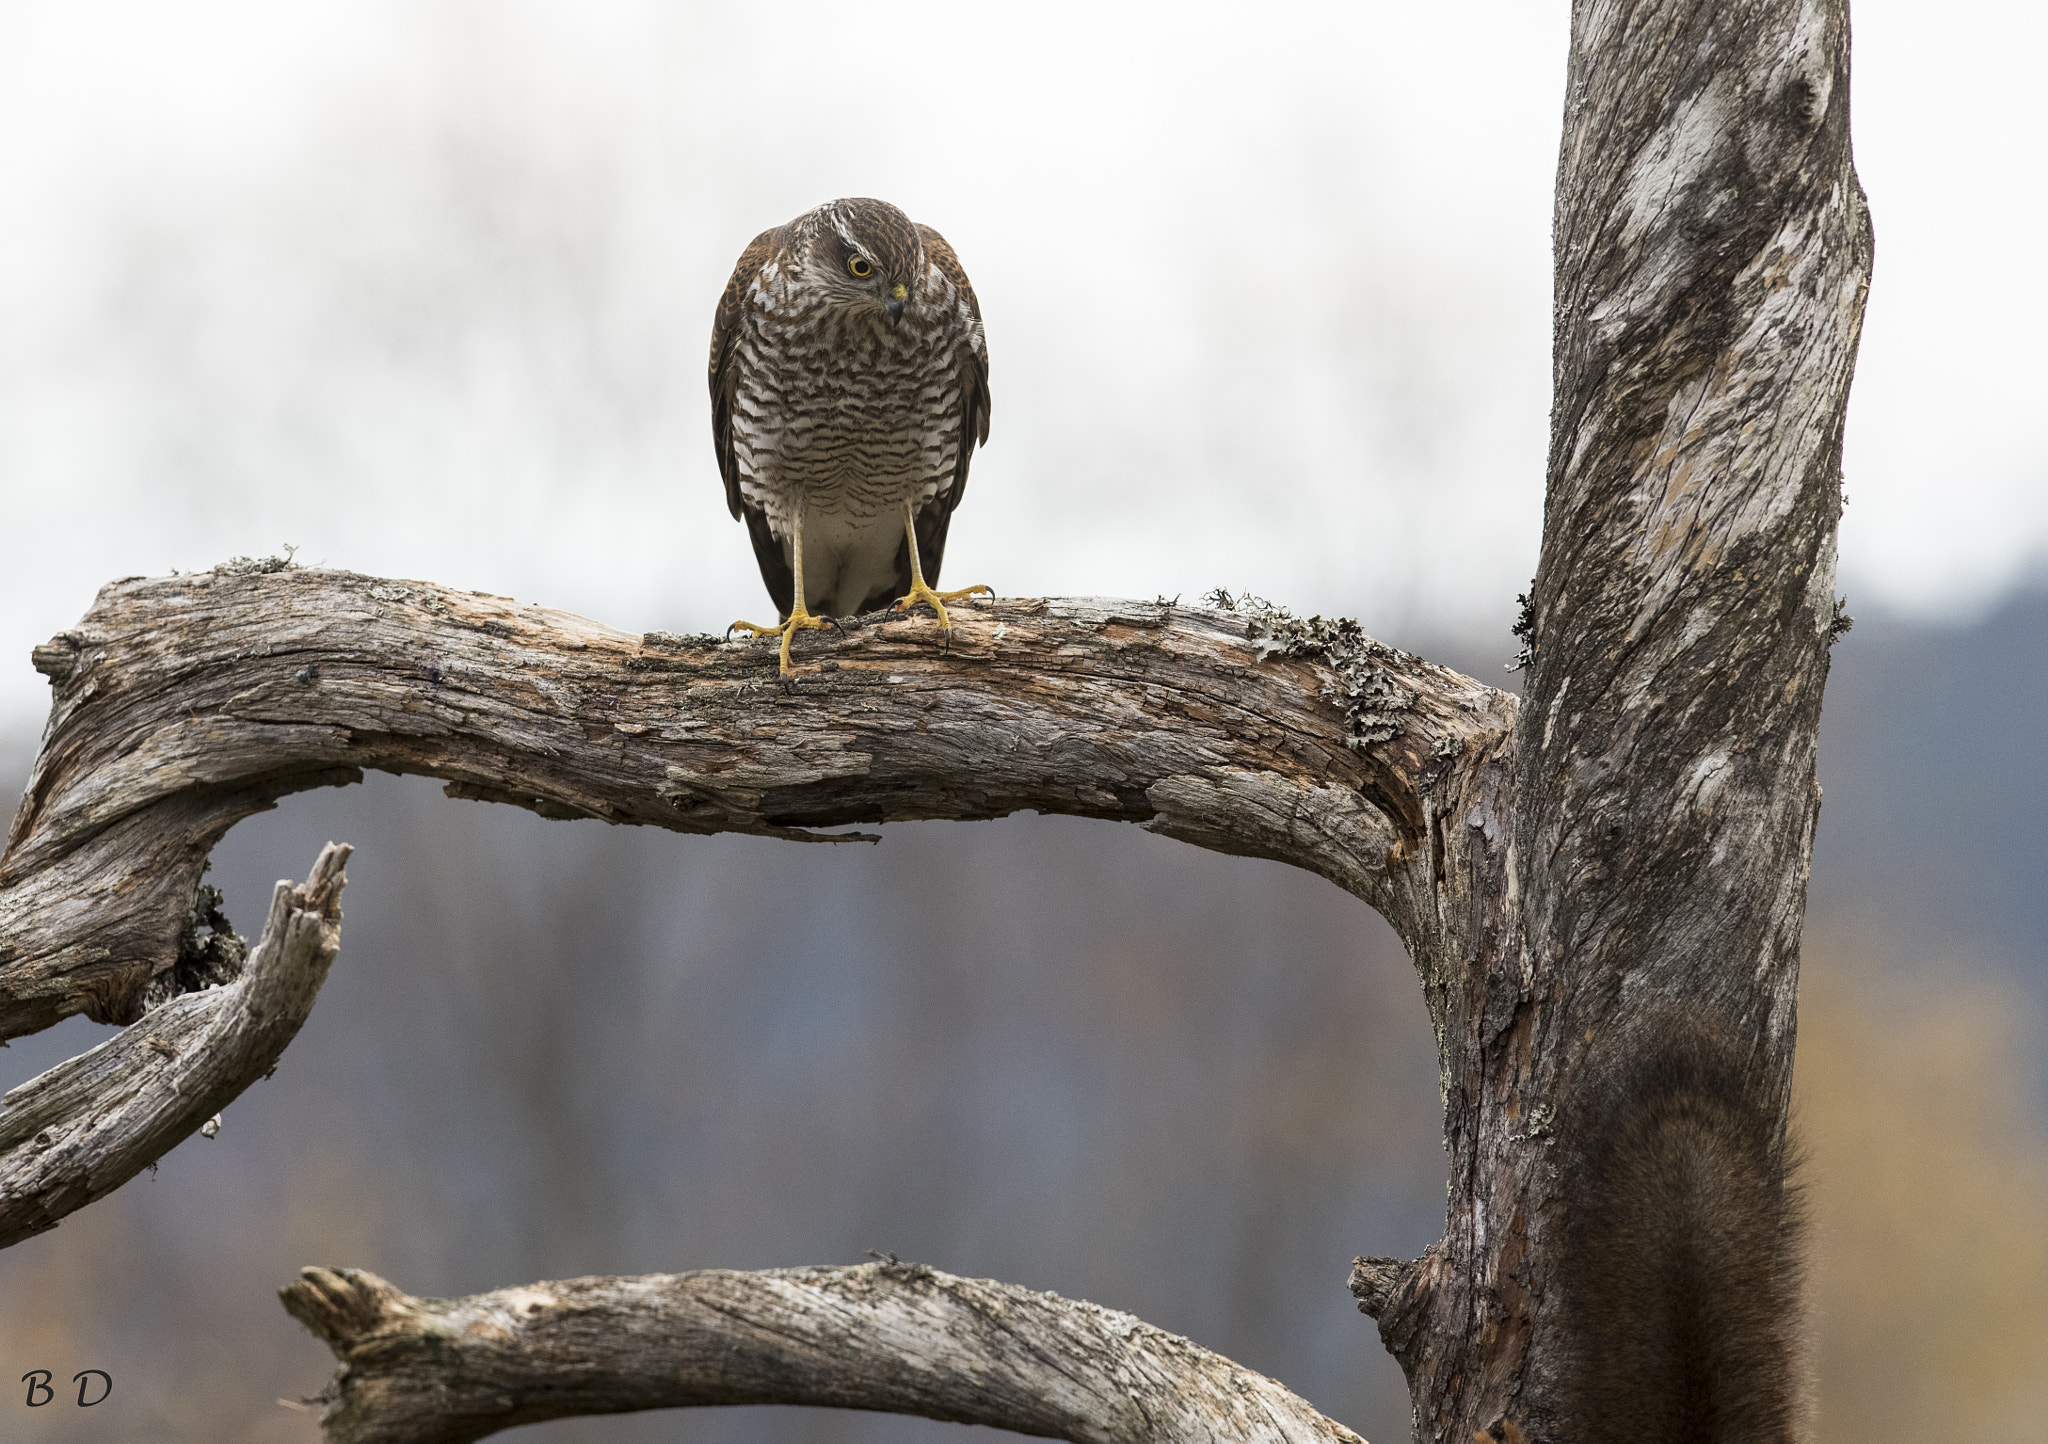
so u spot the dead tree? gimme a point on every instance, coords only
(1621, 855)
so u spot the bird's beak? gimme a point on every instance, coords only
(895, 302)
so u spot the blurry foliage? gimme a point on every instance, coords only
(1936, 819)
(1928, 1181)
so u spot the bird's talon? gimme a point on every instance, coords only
(919, 592)
(799, 621)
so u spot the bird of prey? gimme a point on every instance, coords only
(849, 386)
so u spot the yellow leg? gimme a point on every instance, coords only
(919, 592)
(798, 620)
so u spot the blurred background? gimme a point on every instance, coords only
(423, 289)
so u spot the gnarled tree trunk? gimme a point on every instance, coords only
(1712, 258)
(1600, 887)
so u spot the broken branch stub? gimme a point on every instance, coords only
(85, 1127)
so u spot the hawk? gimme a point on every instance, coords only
(849, 387)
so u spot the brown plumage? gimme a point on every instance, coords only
(849, 387)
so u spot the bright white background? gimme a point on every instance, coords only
(424, 289)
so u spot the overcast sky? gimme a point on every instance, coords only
(424, 290)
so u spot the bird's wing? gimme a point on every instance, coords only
(775, 572)
(937, 515)
(724, 375)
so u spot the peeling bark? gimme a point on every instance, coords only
(897, 1337)
(1713, 254)
(184, 704)
(81, 1130)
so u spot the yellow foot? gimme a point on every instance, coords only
(919, 592)
(799, 621)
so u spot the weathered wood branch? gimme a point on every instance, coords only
(183, 704)
(1712, 258)
(900, 1338)
(85, 1127)
(1601, 889)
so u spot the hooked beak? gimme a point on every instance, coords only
(894, 304)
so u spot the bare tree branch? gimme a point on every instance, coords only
(84, 1128)
(900, 1338)
(1605, 881)
(184, 704)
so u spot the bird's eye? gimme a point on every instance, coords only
(860, 266)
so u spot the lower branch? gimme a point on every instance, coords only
(88, 1125)
(894, 1337)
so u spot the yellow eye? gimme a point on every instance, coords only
(859, 266)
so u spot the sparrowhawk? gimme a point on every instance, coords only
(849, 387)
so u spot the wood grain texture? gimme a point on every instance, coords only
(1712, 255)
(897, 1337)
(183, 704)
(87, 1126)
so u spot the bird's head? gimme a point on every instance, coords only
(868, 255)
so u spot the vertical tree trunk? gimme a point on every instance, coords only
(1712, 257)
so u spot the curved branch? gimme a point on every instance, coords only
(87, 1126)
(183, 704)
(900, 1338)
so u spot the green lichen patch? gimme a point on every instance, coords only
(1372, 699)
(1524, 630)
(257, 566)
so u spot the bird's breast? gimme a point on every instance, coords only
(843, 418)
